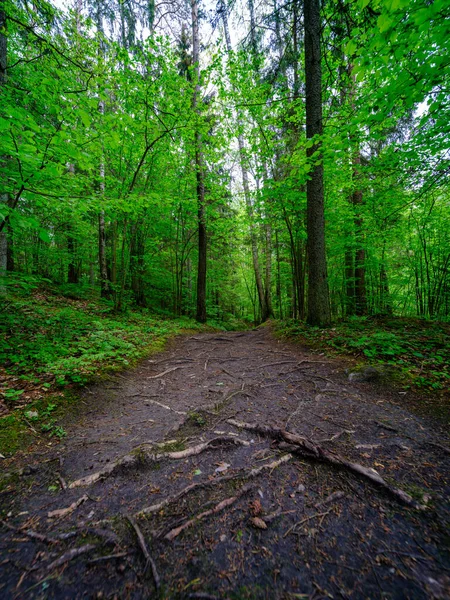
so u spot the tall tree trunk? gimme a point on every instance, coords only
(137, 253)
(268, 282)
(200, 175)
(265, 313)
(360, 253)
(73, 267)
(349, 282)
(4, 197)
(278, 288)
(318, 298)
(105, 288)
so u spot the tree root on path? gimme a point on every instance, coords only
(173, 533)
(242, 474)
(34, 535)
(309, 449)
(149, 560)
(141, 454)
(70, 555)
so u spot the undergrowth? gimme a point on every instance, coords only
(51, 343)
(419, 350)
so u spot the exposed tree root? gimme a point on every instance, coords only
(166, 372)
(307, 447)
(143, 454)
(242, 474)
(150, 562)
(34, 535)
(70, 555)
(173, 533)
(62, 512)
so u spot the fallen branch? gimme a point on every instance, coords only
(148, 400)
(62, 482)
(70, 555)
(146, 553)
(34, 535)
(108, 557)
(243, 474)
(280, 362)
(305, 520)
(306, 446)
(165, 372)
(173, 533)
(62, 512)
(331, 498)
(141, 453)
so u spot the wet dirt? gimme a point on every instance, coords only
(298, 528)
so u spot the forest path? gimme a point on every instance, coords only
(272, 520)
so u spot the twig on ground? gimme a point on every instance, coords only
(337, 435)
(62, 512)
(305, 446)
(62, 482)
(70, 555)
(243, 474)
(146, 553)
(150, 401)
(331, 498)
(166, 372)
(306, 519)
(173, 533)
(34, 535)
(109, 557)
(280, 362)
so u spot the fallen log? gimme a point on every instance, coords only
(310, 449)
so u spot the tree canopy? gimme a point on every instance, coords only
(166, 155)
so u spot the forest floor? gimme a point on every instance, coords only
(232, 465)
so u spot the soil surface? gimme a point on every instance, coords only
(160, 493)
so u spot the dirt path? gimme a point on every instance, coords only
(231, 512)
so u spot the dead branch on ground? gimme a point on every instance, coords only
(242, 474)
(62, 512)
(150, 562)
(310, 449)
(70, 555)
(173, 533)
(34, 535)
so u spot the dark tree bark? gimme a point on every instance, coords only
(105, 287)
(4, 197)
(200, 175)
(318, 297)
(73, 269)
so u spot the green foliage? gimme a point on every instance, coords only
(73, 341)
(48, 343)
(417, 350)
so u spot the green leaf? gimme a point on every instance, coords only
(44, 235)
(85, 117)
